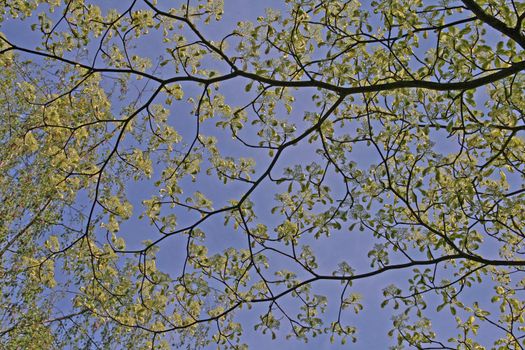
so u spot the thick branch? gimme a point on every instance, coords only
(495, 23)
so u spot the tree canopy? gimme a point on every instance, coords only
(174, 176)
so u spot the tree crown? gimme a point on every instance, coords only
(172, 177)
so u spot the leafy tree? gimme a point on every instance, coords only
(171, 178)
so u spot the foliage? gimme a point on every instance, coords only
(164, 178)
